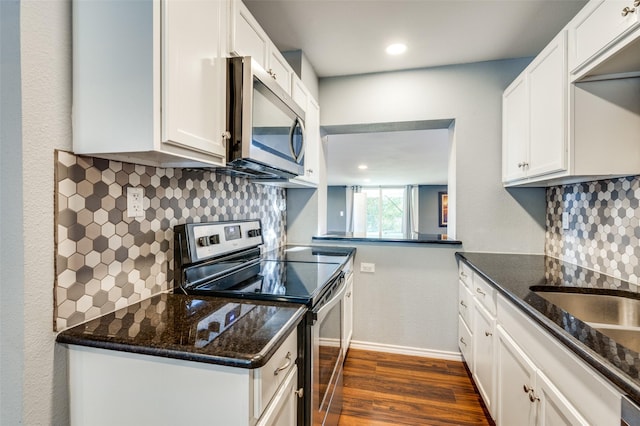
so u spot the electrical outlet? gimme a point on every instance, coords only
(368, 267)
(135, 202)
(565, 220)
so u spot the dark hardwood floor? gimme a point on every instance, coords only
(388, 389)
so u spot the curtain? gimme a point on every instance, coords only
(351, 190)
(411, 217)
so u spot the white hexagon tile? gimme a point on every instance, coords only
(604, 228)
(106, 260)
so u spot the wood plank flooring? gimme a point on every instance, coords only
(382, 389)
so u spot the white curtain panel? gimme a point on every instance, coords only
(411, 217)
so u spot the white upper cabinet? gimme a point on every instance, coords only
(312, 145)
(247, 38)
(600, 30)
(515, 130)
(569, 109)
(535, 117)
(152, 92)
(194, 92)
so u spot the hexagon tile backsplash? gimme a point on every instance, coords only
(106, 260)
(604, 226)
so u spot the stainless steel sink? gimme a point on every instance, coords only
(617, 317)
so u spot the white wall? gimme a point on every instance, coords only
(11, 253)
(488, 217)
(46, 125)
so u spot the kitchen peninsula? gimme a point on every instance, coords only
(417, 238)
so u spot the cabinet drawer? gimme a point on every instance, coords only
(268, 378)
(465, 342)
(465, 274)
(465, 301)
(484, 293)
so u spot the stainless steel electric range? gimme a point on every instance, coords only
(225, 259)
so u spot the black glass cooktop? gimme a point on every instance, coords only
(299, 282)
(309, 254)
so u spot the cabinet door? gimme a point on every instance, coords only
(312, 144)
(597, 26)
(554, 408)
(279, 68)
(246, 36)
(515, 129)
(516, 379)
(547, 77)
(193, 76)
(283, 408)
(483, 356)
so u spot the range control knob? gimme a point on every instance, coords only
(209, 240)
(254, 233)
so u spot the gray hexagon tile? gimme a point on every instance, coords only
(604, 227)
(105, 260)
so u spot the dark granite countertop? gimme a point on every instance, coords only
(514, 274)
(409, 238)
(233, 332)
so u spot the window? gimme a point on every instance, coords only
(385, 212)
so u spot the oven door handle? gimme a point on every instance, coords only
(325, 307)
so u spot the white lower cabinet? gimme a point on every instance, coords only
(524, 375)
(108, 387)
(526, 395)
(483, 356)
(516, 376)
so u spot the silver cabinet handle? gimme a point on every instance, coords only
(463, 342)
(349, 294)
(488, 333)
(285, 366)
(520, 165)
(531, 392)
(479, 291)
(463, 275)
(627, 10)
(299, 392)
(463, 304)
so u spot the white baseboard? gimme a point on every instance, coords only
(406, 350)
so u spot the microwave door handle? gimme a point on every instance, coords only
(292, 131)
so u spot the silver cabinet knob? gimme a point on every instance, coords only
(627, 10)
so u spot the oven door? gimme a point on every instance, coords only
(328, 356)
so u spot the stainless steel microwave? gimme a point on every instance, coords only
(266, 126)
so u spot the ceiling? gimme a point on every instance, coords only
(387, 159)
(344, 37)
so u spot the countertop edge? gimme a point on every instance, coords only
(386, 240)
(254, 361)
(592, 358)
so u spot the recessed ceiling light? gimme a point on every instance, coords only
(363, 167)
(396, 49)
